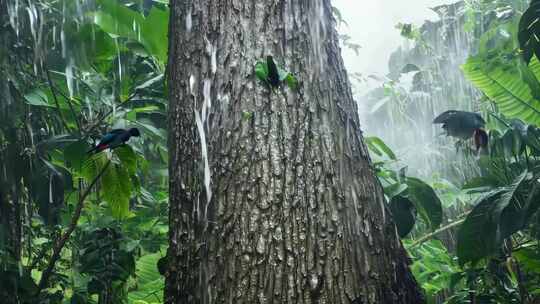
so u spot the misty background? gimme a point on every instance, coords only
(372, 25)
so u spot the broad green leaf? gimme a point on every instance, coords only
(530, 75)
(37, 98)
(120, 21)
(403, 213)
(378, 146)
(116, 189)
(477, 235)
(497, 215)
(291, 81)
(533, 138)
(512, 143)
(395, 189)
(529, 258)
(116, 183)
(261, 70)
(529, 31)
(507, 211)
(154, 33)
(127, 157)
(427, 203)
(480, 183)
(150, 283)
(75, 154)
(505, 88)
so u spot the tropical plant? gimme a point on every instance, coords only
(73, 71)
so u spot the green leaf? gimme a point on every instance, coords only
(395, 189)
(377, 145)
(37, 98)
(403, 213)
(529, 258)
(504, 86)
(426, 201)
(150, 283)
(120, 21)
(116, 184)
(116, 189)
(530, 75)
(154, 33)
(127, 157)
(481, 182)
(261, 70)
(291, 81)
(288, 78)
(529, 31)
(497, 215)
(532, 137)
(75, 154)
(507, 211)
(512, 143)
(477, 235)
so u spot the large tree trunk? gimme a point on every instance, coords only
(294, 212)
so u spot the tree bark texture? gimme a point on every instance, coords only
(287, 208)
(12, 156)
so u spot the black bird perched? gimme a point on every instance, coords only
(114, 139)
(464, 125)
(273, 73)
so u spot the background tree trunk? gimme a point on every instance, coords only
(12, 157)
(294, 212)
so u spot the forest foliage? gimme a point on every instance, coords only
(76, 69)
(73, 71)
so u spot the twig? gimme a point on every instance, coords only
(56, 100)
(54, 90)
(432, 234)
(62, 241)
(101, 119)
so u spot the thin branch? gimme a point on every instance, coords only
(101, 119)
(432, 234)
(64, 238)
(68, 99)
(58, 109)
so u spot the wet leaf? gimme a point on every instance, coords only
(37, 98)
(426, 201)
(261, 70)
(529, 30)
(477, 235)
(377, 145)
(75, 154)
(404, 214)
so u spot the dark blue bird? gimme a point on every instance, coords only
(464, 125)
(114, 139)
(273, 73)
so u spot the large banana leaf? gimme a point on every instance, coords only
(149, 282)
(505, 87)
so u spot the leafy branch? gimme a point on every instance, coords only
(61, 242)
(428, 236)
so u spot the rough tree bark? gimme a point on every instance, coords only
(294, 212)
(12, 156)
